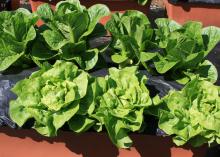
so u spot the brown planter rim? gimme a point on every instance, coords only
(112, 4)
(183, 12)
(28, 143)
(193, 5)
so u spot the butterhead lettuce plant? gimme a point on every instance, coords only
(50, 96)
(121, 106)
(62, 93)
(193, 114)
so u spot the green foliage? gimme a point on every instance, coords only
(132, 38)
(184, 49)
(175, 51)
(69, 29)
(62, 93)
(51, 96)
(16, 33)
(192, 114)
(121, 106)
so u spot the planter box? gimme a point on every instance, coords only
(182, 12)
(15, 4)
(27, 143)
(114, 5)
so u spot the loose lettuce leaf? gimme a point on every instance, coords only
(204, 70)
(51, 96)
(80, 124)
(84, 119)
(192, 114)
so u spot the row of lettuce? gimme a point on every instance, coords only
(176, 51)
(63, 91)
(118, 102)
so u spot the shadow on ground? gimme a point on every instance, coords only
(91, 144)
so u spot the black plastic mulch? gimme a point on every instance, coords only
(214, 57)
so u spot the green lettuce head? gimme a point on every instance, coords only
(50, 96)
(193, 114)
(120, 108)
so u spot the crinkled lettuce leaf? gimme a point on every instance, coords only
(84, 120)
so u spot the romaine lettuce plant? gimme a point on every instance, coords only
(121, 106)
(68, 31)
(193, 114)
(183, 50)
(50, 96)
(177, 51)
(132, 38)
(16, 34)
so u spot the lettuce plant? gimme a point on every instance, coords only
(50, 96)
(176, 51)
(120, 108)
(192, 114)
(132, 38)
(183, 50)
(16, 34)
(62, 93)
(115, 102)
(68, 31)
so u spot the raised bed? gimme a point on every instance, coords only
(27, 143)
(114, 5)
(206, 13)
(69, 94)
